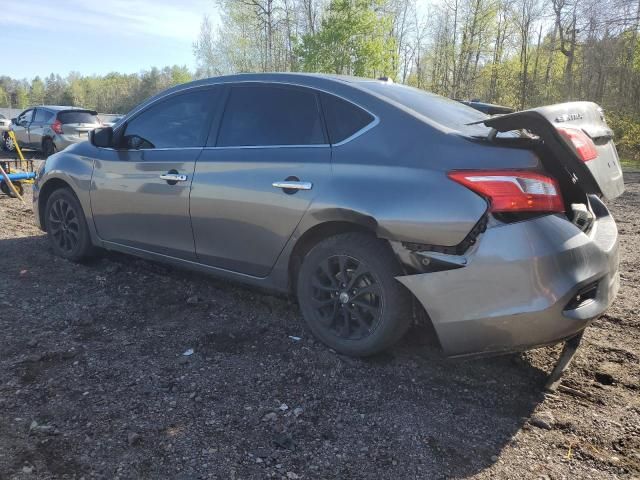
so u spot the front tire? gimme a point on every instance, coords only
(67, 227)
(349, 297)
(7, 143)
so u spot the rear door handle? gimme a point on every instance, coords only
(289, 185)
(173, 177)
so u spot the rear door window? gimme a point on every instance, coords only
(42, 116)
(181, 121)
(343, 118)
(268, 115)
(77, 117)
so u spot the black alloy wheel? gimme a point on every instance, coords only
(349, 296)
(66, 226)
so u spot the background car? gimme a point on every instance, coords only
(366, 200)
(52, 128)
(5, 123)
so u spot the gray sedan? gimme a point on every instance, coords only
(371, 202)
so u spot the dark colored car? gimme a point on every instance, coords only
(365, 199)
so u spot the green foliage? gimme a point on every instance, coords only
(627, 134)
(36, 93)
(354, 39)
(111, 93)
(22, 96)
(4, 97)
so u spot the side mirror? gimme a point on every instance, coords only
(14, 121)
(102, 137)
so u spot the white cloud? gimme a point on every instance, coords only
(129, 18)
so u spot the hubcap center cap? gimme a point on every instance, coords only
(344, 297)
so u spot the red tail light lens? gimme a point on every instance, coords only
(584, 146)
(57, 127)
(513, 190)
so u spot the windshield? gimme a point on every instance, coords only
(448, 113)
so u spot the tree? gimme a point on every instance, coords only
(21, 96)
(36, 93)
(354, 38)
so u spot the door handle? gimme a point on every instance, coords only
(173, 177)
(289, 185)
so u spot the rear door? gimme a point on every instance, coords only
(41, 119)
(563, 128)
(252, 187)
(140, 190)
(78, 123)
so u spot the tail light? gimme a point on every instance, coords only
(57, 127)
(583, 145)
(513, 190)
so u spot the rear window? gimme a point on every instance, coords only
(448, 113)
(343, 118)
(77, 117)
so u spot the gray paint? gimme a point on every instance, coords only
(33, 134)
(516, 283)
(228, 219)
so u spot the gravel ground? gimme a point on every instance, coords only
(95, 382)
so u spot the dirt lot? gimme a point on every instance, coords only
(94, 383)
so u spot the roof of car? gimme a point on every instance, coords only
(284, 77)
(58, 108)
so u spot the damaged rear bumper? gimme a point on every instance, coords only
(524, 285)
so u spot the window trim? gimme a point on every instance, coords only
(227, 84)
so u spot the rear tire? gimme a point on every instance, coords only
(349, 297)
(67, 227)
(48, 147)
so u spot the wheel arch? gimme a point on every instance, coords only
(46, 190)
(44, 138)
(319, 232)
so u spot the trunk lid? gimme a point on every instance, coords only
(78, 129)
(78, 123)
(600, 176)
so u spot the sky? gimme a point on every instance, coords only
(40, 37)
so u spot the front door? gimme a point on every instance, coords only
(21, 127)
(252, 188)
(140, 188)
